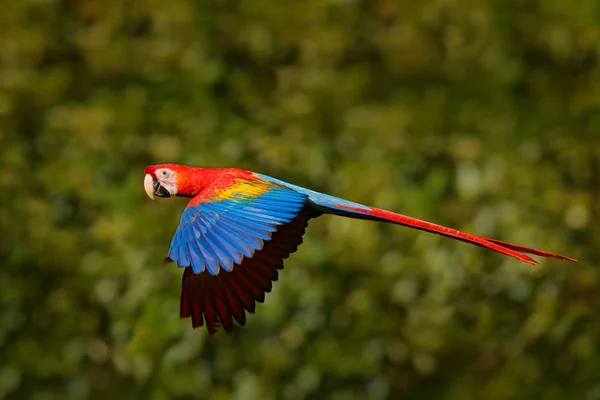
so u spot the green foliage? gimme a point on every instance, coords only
(481, 115)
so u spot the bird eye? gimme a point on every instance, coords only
(164, 172)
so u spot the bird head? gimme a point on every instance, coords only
(162, 180)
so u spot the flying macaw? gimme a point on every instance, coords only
(239, 226)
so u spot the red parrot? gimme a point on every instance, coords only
(239, 226)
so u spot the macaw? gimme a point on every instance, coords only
(239, 226)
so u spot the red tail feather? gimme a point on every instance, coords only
(527, 250)
(509, 249)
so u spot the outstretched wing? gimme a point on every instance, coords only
(219, 299)
(232, 243)
(219, 230)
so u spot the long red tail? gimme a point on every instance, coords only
(325, 203)
(509, 249)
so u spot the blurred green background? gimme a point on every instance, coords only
(481, 115)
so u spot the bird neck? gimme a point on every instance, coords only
(191, 180)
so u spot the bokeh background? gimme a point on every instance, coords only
(481, 115)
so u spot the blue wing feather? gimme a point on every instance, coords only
(218, 234)
(234, 251)
(225, 257)
(238, 240)
(182, 257)
(262, 232)
(210, 259)
(246, 236)
(319, 200)
(197, 260)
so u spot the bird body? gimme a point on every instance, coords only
(239, 226)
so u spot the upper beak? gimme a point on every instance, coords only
(149, 186)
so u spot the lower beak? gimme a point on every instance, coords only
(154, 188)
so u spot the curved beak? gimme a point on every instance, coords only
(149, 186)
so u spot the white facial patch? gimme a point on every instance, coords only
(168, 179)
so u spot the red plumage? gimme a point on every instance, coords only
(509, 249)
